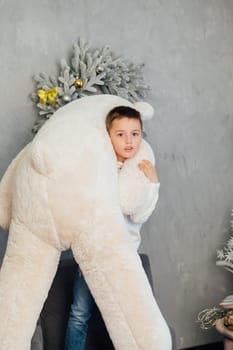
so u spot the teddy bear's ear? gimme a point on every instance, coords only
(145, 109)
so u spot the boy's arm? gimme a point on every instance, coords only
(150, 198)
(148, 170)
(138, 185)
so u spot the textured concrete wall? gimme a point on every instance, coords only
(187, 46)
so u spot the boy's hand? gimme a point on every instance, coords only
(149, 170)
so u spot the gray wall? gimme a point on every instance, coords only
(187, 46)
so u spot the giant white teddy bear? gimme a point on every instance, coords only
(61, 192)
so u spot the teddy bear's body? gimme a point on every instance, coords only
(61, 191)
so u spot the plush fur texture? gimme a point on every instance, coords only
(62, 191)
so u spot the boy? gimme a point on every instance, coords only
(124, 126)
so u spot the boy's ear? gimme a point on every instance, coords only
(145, 109)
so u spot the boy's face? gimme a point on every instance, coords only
(126, 137)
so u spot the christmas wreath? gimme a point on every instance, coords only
(89, 71)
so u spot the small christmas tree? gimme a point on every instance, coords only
(209, 317)
(225, 255)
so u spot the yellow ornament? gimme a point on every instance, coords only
(78, 83)
(48, 96)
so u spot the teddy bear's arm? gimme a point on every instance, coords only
(144, 211)
(6, 188)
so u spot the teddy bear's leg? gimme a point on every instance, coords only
(116, 278)
(26, 274)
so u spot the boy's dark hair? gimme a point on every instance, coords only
(122, 112)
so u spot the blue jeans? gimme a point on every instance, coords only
(80, 314)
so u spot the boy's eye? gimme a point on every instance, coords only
(136, 134)
(120, 134)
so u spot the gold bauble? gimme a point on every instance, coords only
(228, 319)
(78, 83)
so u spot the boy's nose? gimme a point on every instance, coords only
(128, 139)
